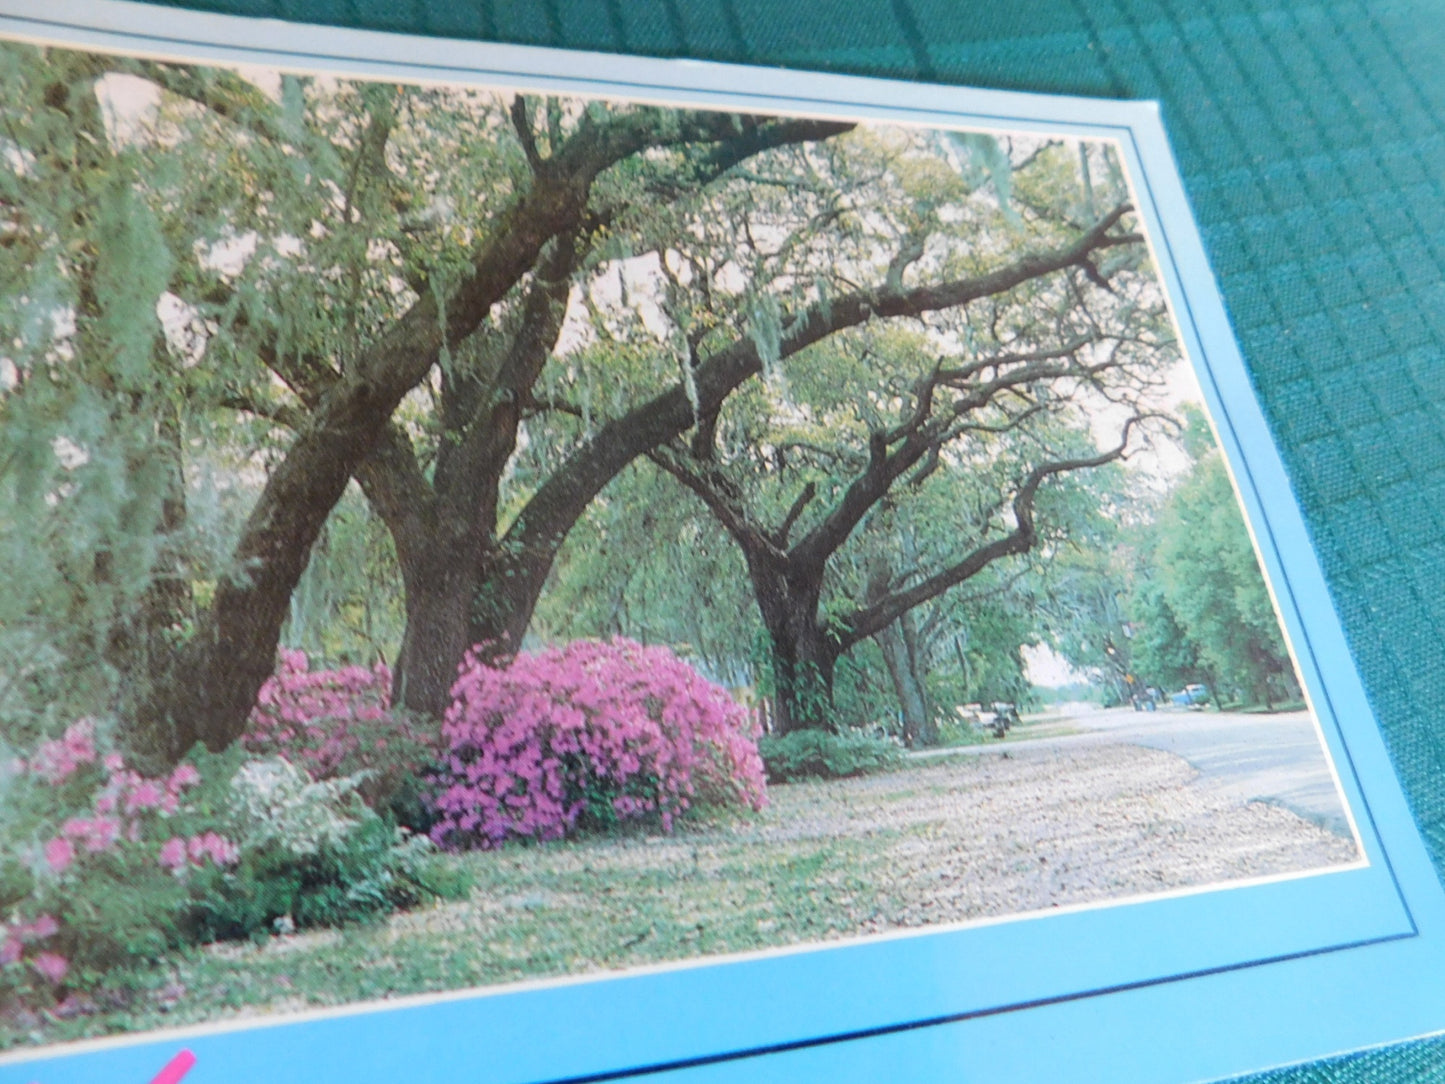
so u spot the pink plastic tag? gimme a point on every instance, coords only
(176, 1068)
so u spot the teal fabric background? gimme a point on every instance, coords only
(1311, 136)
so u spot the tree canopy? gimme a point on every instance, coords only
(395, 371)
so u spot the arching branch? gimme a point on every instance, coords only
(868, 620)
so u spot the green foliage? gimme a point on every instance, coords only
(647, 563)
(953, 731)
(862, 694)
(1164, 654)
(817, 754)
(348, 606)
(368, 872)
(314, 854)
(983, 159)
(1210, 579)
(1173, 594)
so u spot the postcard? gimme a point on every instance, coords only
(534, 566)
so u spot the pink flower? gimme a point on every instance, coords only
(145, 796)
(97, 834)
(113, 762)
(52, 762)
(588, 729)
(220, 850)
(80, 739)
(50, 965)
(105, 831)
(10, 950)
(321, 720)
(173, 853)
(185, 775)
(56, 760)
(43, 927)
(59, 853)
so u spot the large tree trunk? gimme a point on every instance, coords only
(901, 655)
(440, 585)
(803, 656)
(142, 645)
(508, 588)
(214, 684)
(803, 664)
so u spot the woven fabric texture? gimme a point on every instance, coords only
(1311, 136)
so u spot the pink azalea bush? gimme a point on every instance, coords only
(103, 873)
(590, 734)
(115, 868)
(336, 723)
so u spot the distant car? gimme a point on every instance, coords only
(1191, 696)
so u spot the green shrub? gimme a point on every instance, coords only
(312, 853)
(954, 731)
(817, 754)
(366, 874)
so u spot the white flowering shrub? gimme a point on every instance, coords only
(312, 853)
(275, 801)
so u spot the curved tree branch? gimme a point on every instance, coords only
(555, 506)
(883, 612)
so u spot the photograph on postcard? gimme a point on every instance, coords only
(460, 536)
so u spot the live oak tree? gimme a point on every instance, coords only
(480, 308)
(1046, 325)
(994, 398)
(789, 567)
(351, 302)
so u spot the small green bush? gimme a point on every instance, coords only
(817, 754)
(955, 731)
(312, 853)
(366, 874)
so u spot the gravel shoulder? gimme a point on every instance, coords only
(1028, 829)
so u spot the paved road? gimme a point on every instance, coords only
(1270, 758)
